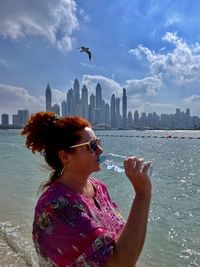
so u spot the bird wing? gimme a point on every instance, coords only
(86, 49)
(89, 54)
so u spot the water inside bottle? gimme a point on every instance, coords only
(115, 162)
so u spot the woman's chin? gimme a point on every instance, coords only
(97, 168)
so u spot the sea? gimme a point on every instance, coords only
(173, 234)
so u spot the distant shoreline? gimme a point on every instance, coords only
(10, 127)
(15, 127)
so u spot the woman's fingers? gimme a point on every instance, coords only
(138, 164)
(129, 165)
(134, 165)
(137, 172)
(146, 167)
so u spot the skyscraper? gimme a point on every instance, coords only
(76, 91)
(124, 108)
(130, 120)
(92, 108)
(136, 119)
(22, 116)
(56, 109)
(112, 112)
(48, 98)
(117, 113)
(70, 102)
(98, 96)
(4, 119)
(84, 100)
(107, 114)
(64, 108)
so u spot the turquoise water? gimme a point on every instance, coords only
(173, 237)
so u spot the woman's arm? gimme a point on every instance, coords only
(130, 242)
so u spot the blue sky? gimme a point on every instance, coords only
(149, 47)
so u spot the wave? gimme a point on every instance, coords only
(17, 245)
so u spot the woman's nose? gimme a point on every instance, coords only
(100, 149)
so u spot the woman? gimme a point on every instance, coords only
(75, 222)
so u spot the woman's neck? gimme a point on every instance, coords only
(79, 183)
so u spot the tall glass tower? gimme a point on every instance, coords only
(76, 91)
(98, 96)
(124, 108)
(48, 98)
(112, 112)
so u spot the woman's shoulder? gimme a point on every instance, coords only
(56, 193)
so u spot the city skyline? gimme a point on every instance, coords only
(116, 115)
(151, 48)
(113, 115)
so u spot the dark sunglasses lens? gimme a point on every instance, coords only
(93, 145)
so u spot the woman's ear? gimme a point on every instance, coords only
(64, 157)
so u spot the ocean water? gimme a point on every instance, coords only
(173, 237)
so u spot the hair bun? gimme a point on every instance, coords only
(40, 130)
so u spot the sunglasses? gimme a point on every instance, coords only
(93, 144)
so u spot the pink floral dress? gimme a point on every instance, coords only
(71, 231)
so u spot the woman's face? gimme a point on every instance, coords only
(83, 159)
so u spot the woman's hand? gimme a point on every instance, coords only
(137, 172)
(129, 244)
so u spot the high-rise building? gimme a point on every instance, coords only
(22, 116)
(48, 98)
(70, 102)
(130, 120)
(136, 119)
(112, 112)
(117, 113)
(56, 109)
(84, 101)
(77, 101)
(187, 118)
(98, 96)
(4, 119)
(143, 119)
(102, 112)
(92, 108)
(107, 114)
(76, 91)
(64, 108)
(15, 120)
(124, 108)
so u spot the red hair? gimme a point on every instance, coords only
(48, 133)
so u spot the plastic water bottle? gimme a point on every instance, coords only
(115, 162)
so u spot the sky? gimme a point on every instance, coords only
(149, 47)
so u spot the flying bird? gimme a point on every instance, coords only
(86, 50)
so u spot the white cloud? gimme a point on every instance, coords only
(57, 96)
(173, 19)
(137, 102)
(87, 65)
(182, 64)
(109, 86)
(136, 91)
(158, 107)
(13, 98)
(85, 16)
(193, 99)
(52, 20)
(149, 86)
(193, 103)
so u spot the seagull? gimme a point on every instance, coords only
(86, 49)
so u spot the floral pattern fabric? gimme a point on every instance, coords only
(69, 230)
